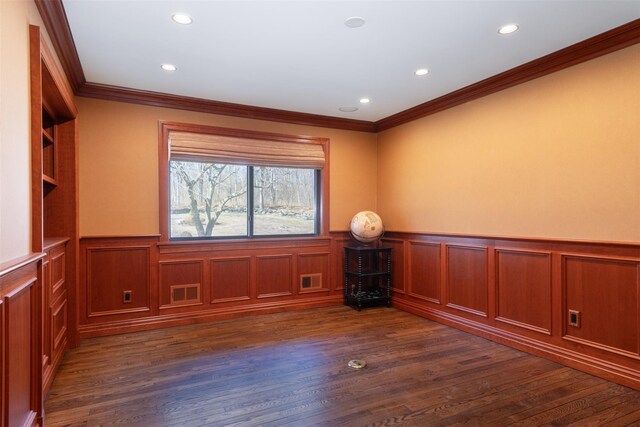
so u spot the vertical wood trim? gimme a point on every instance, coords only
(35, 82)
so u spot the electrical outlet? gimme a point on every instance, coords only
(574, 318)
(126, 297)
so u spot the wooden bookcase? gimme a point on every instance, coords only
(54, 210)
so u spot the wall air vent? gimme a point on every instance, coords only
(311, 281)
(185, 294)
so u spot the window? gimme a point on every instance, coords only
(227, 183)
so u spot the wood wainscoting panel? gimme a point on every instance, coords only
(523, 289)
(59, 322)
(21, 345)
(605, 293)
(316, 264)
(397, 263)
(339, 241)
(467, 279)
(274, 275)
(424, 271)
(176, 273)
(57, 264)
(111, 271)
(230, 279)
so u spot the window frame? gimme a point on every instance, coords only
(322, 203)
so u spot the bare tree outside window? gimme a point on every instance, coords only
(205, 197)
(210, 200)
(284, 201)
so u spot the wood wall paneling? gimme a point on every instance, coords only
(22, 358)
(274, 275)
(466, 280)
(315, 263)
(113, 270)
(606, 293)
(230, 279)
(172, 273)
(397, 263)
(59, 322)
(424, 271)
(523, 289)
(338, 244)
(57, 265)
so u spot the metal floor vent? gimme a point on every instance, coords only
(357, 364)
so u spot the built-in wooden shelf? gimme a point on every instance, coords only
(47, 180)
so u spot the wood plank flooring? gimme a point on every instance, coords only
(291, 369)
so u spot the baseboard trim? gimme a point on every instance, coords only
(189, 318)
(589, 364)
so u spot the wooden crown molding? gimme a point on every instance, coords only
(158, 99)
(55, 19)
(607, 42)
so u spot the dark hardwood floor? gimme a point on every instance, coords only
(291, 369)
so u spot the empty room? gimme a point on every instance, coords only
(319, 212)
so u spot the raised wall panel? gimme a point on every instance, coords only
(57, 268)
(273, 275)
(523, 294)
(466, 284)
(314, 264)
(338, 247)
(397, 263)
(20, 335)
(424, 270)
(230, 279)
(174, 273)
(605, 292)
(112, 271)
(59, 328)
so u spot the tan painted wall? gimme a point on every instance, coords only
(119, 165)
(15, 148)
(557, 157)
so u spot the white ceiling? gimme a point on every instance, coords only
(299, 55)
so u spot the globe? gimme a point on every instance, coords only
(366, 227)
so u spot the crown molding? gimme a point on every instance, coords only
(55, 21)
(601, 44)
(158, 99)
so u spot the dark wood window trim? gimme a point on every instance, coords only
(164, 131)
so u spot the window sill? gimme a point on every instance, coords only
(173, 246)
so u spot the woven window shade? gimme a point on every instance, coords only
(236, 150)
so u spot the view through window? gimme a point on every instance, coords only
(209, 200)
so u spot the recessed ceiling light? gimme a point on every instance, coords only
(508, 29)
(348, 109)
(182, 18)
(422, 72)
(354, 22)
(364, 100)
(168, 67)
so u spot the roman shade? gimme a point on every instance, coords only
(246, 151)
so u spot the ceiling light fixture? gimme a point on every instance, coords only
(348, 109)
(364, 100)
(354, 22)
(508, 29)
(422, 72)
(168, 67)
(182, 18)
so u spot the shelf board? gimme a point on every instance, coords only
(49, 180)
(47, 138)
